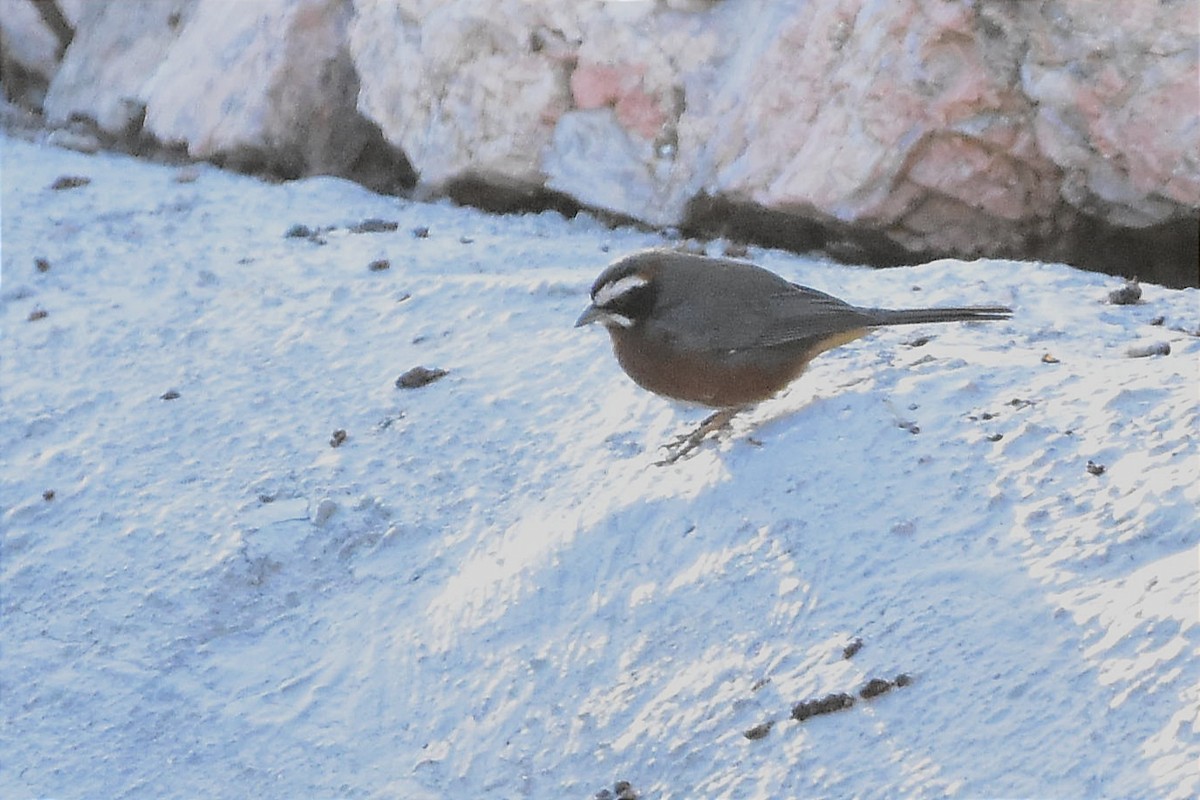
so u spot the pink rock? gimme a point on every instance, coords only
(956, 128)
(598, 86)
(595, 86)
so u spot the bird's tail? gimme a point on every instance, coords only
(916, 316)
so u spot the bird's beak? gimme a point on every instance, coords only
(590, 314)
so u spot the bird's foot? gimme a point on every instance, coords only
(689, 442)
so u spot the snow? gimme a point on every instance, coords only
(488, 589)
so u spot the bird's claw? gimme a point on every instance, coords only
(683, 445)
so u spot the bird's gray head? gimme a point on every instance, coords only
(625, 292)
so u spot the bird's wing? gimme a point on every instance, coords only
(801, 315)
(744, 307)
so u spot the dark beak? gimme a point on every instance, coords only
(590, 314)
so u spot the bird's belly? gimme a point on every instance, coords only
(719, 380)
(723, 382)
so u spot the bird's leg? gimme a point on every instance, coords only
(682, 445)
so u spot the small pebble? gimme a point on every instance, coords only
(337, 438)
(69, 182)
(374, 226)
(758, 731)
(875, 687)
(1127, 295)
(324, 511)
(379, 265)
(1049, 359)
(78, 141)
(851, 650)
(1152, 349)
(42, 264)
(298, 231)
(1095, 469)
(48, 495)
(824, 705)
(1159, 320)
(624, 791)
(420, 232)
(38, 313)
(170, 394)
(418, 377)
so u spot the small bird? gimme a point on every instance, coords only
(728, 334)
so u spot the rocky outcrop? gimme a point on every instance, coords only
(1062, 130)
(115, 50)
(271, 84)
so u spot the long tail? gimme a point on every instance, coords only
(915, 316)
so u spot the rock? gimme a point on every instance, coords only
(882, 132)
(1115, 105)
(325, 509)
(1128, 294)
(81, 141)
(417, 377)
(27, 42)
(263, 84)
(593, 159)
(466, 89)
(1149, 349)
(887, 116)
(116, 49)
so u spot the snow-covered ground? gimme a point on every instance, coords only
(488, 589)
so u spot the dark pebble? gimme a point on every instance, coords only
(758, 731)
(375, 226)
(851, 650)
(824, 705)
(874, 688)
(1127, 295)
(69, 182)
(1152, 349)
(418, 377)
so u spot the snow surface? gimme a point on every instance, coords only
(489, 590)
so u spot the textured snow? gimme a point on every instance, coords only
(487, 589)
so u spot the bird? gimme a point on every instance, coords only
(728, 334)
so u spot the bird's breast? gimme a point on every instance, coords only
(715, 379)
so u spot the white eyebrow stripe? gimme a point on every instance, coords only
(611, 291)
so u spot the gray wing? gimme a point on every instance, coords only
(746, 307)
(802, 316)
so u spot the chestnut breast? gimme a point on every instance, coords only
(720, 379)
